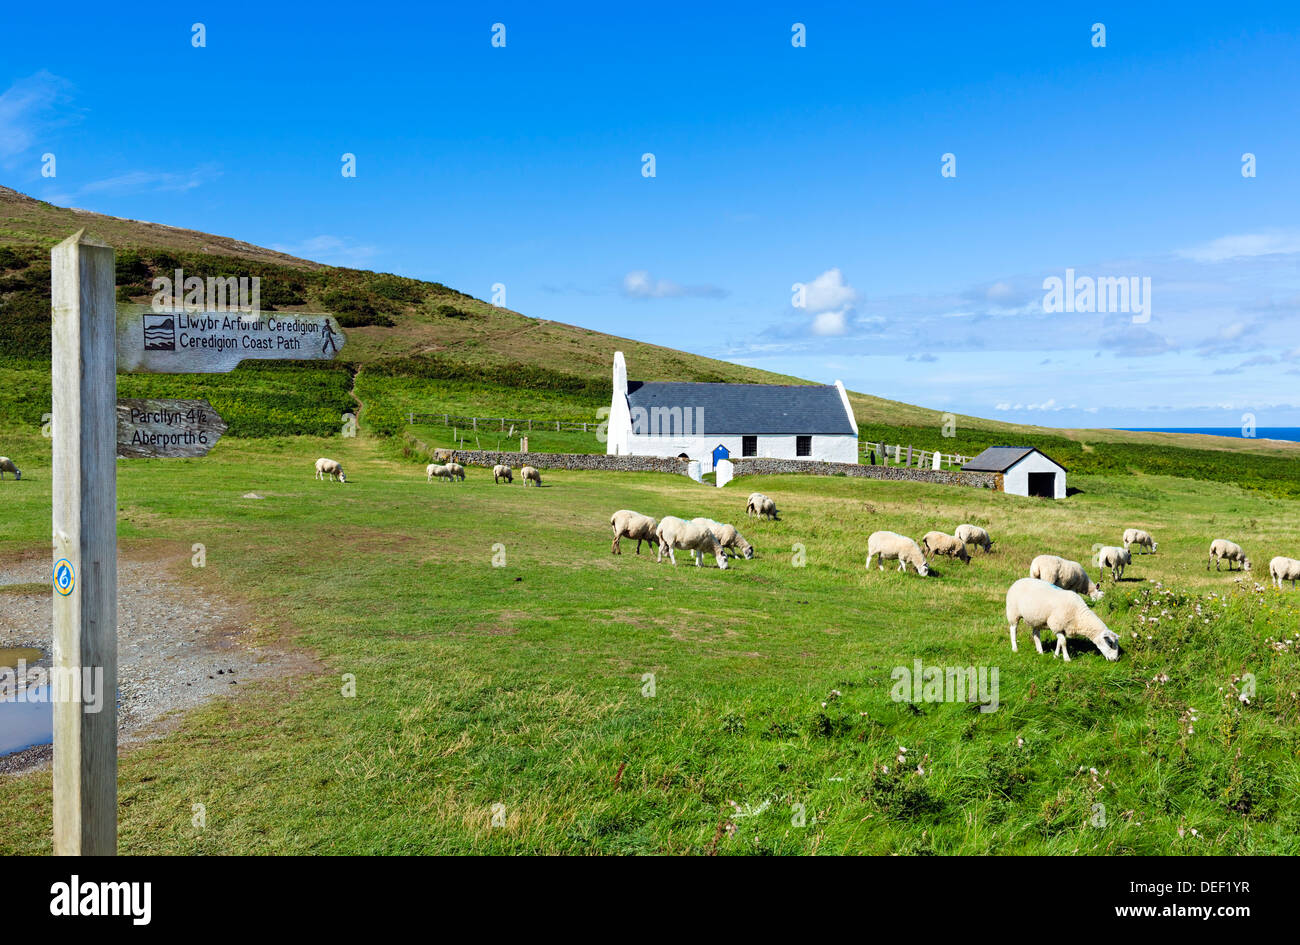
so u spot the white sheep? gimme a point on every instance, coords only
(7, 465)
(1114, 558)
(1229, 551)
(457, 471)
(676, 533)
(440, 471)
(531, 475)
(1136, 536)
(973, 535)
(329, 467)
(1284, 569)
(1066, 614)
(1064, 573)
(629, 524)
(500, 472)
(893, 545)
(727, 536)
(761, 506)
(938, 543)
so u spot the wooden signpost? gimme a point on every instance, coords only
(91, 342)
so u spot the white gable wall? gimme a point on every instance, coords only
(1016, 479)
(826, 448)
(619, 424)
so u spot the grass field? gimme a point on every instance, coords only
(525, 685)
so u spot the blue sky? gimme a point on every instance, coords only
(774, 165)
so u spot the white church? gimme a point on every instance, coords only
(709, 422)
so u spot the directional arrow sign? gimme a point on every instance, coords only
(166, 428)
(189, 342)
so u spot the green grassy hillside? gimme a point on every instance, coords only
(426, 347)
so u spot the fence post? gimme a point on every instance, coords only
(83, 372)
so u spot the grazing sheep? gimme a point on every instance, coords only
(974, 535)
(1284, 569)
(1114, 558)
(893, 545)
(730, 539)
(1136, 536)
(1063, 612)
(442, 472)
(500, 472)
(937, 543)
(1229, 551)
(457, 471)
(629, 524)
(444, 456)
(761, 506)
(1065, 574)
(329, 467)
(676, 533)
(531, 475)
(7, 465)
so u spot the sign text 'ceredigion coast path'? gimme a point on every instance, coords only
(181, 342)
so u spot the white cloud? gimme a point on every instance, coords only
(1245, 245)
(639, 284)
(163, 181)
(332, 250)
(25, 109)
(829, 323)
(828, 291)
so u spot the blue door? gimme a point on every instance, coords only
(720, 452)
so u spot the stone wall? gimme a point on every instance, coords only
(599, 461)
(744, 467)
(945, 477)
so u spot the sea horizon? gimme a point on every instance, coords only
(1291, 434)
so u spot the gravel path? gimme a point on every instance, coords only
(176, 647)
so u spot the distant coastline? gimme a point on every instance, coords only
(1261, 433)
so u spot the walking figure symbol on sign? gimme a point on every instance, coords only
(329, 340)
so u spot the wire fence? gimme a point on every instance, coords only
(503, 424)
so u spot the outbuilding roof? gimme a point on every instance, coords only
(1002, 458)
(747, 408)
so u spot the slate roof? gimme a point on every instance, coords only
(731, 409)
(1002, 458)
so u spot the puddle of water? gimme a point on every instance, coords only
(27, 723)
(9, 657)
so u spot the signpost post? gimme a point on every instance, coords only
(91, 342)
(83, 371)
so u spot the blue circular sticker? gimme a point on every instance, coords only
(65, 578)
